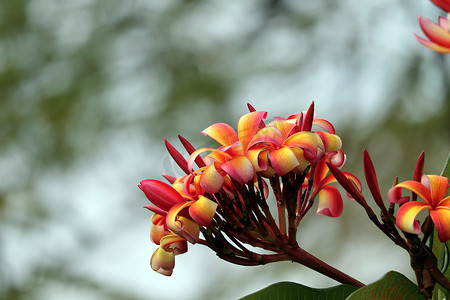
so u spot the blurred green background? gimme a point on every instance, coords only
(89, 89)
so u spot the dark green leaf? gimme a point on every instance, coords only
(295, 291)
(391, 286)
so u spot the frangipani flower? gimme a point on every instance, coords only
(163, 259)
(432, 190)
(438, 34)
(232, 158)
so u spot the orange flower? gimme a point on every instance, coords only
(432, 189)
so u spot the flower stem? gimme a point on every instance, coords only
(301, 256)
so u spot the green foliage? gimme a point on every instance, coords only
(391, 286)
(295, 291)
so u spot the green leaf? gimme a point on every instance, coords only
(295, 291)
(391, 286)
(441, 250)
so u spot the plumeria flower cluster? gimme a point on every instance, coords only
(437, 33)
(225, 191)
(402, 227)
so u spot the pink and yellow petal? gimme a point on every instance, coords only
(222, 133)
(330, 202)
(248, 125)
(210, 180)
(157, 228)
(330, 141)
(182, 225)
(441, 220)
(415, 187)
(302, 161)
(435, 32)
(444, 23)
(308, 141)
(284, 127)
(432, 45)
(240, 169)
(267, 135)
(257, 160)
(394, 195)
(325, 125)
(337, 158)
(195, 154)
(407, 214)
(203, 211)
(175, 242)
(283, 160)
(163, 261)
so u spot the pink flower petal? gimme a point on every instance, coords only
(283, 160)
(240, 169)
(394, 195)
(163, 261)
(210, 180)
(203, 211)
(171, 238)
(308, 141)
(406, 216)
(269, 135)
(330, 202)
(194, 156)
(413, 186)
(435, 32)
(248, 125)
(330, 141)
(156, 210)
(302, 161)
(284, 127)
(325, 125)
(443, 22)
(160, 194)
(181, 225)
(223, 133)
(433, 46)
(259, 164)
(337, 158)
(157, 228)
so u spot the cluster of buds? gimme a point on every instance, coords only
(437, 33)
(400, 225)
(225, 198)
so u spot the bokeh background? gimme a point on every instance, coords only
(89, 89)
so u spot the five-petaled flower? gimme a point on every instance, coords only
(432, 189)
